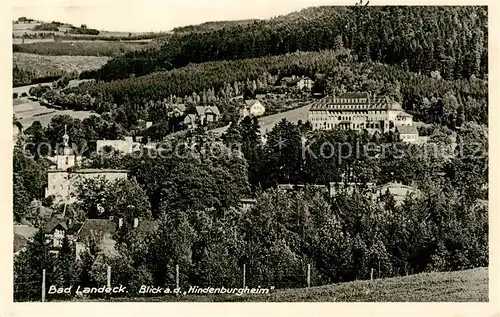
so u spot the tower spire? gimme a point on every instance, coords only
(66, 136)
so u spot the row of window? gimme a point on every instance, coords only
(326, 125)
(348, 118)
(340, 110)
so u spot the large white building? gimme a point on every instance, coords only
(357, 111)
(62, 181)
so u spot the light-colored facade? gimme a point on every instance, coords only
(299, 82)
(190, 121)
(62, 182)
(358, 111)
(125, 146)
(408, 134)
(252, 108)
(207, 114)
(176, 109)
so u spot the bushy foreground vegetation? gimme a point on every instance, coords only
(194, 194)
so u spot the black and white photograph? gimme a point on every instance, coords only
(180, 151)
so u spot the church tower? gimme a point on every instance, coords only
(67, 158)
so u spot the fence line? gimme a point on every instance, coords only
(250, 277)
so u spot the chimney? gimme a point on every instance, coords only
(111, 217)
(120, 222)
(136, 222)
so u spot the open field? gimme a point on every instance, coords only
(20, 29)
(28, 111)
(460, 286)
(44, 66)
(26, 89)
(268, 122)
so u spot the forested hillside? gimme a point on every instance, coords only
(430, 99)
(452, 40)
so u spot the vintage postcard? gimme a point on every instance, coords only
(264, 151)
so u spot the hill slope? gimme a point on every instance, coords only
(392, 35)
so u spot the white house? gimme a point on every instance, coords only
(252, 108)
(407, 134)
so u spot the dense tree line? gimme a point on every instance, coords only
(78, 48)
(452, 40)
(343, 238)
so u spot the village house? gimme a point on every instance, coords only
(20, 244)
(253, 108)
(407, 134)
(63, 180)
(124, 146)
(176, 109)
(23, 234)
(190, 121)
(298, 82)
(247, 203)
(398, 191)
(358, 111)
(207, 114)
(103, 231)
(57, 228)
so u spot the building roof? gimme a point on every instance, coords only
(90, 171)
(407, 130)
(404, 114)
(26, 231)
(201, 110)
(191, 117)
(397, 189)
(53, 223)
(250, 103)
(20, 242)
(63, 223)
(344, 101)
(96, 228)
(180, 106)
(354, 95)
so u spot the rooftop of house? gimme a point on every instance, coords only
(20, 242)
(202, 110)
(404, 114)
(180, 106)
(89, 171)
(397, 189)
(407, 130)
(190, 116)
(27, 231)
(350, 184)
(293, 79)
(96, 228)
(62, 223)
(353, 95)
(250, 103)
(355, 98)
